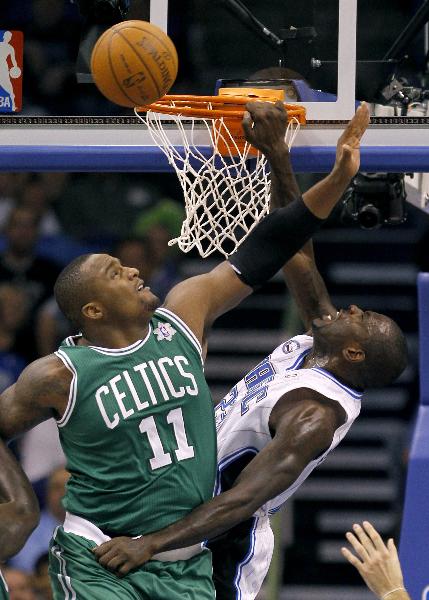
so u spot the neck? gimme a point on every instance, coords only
(111, 337)
(332, 364)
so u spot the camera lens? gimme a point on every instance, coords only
(369, 217)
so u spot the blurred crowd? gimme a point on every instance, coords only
(46, 220)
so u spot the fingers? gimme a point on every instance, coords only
(353, 560)
(267, 111)
(357, 126)
(375, 536)
(103, 548)
(357, 546)
(247, 124)
(364, 539)
(106, 558)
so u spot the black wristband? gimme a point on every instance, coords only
(273, 242)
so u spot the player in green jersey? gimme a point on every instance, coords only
(132, 405)
(19, 510)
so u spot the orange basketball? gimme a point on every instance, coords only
(134, 63)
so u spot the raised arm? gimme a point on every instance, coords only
(304, 425)
(273, 242)
(301, 274)
(19, 510)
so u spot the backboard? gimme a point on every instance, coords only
(81, 131)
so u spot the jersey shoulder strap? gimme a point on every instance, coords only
(163, 322)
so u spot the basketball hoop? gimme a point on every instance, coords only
(226, 186)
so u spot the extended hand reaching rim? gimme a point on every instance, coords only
(348, 146)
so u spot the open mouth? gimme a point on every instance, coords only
(325, 319)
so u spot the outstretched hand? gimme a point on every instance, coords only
(347, 161)
(377, 563)
(122, 554)
(265, 125)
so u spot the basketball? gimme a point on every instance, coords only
(134, 63)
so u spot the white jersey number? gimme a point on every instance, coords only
(160, 457)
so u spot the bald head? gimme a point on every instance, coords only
(386, 352)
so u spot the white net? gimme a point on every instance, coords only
(226, 194)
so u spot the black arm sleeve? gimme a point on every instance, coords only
(273, 242)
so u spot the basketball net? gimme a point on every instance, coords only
(226, 186)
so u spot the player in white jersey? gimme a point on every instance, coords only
(241, 556)
(19, 510)
(282, 419)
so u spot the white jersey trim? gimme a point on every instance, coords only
(4, 581)
(84, 528)
(246, 560)
(183, 327)
(353, 393)
(123, 351)
(299, 360)
(73, 388)
(63, 578)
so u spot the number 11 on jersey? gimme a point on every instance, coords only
(160, 457)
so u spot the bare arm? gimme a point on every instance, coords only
(40, 393)
(19, 511)
(301, 274)
(200, 300)
(304, 429)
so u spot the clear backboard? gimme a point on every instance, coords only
(82, 131)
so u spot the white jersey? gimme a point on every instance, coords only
(242, 416)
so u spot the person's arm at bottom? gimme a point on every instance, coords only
(19, 512)
(303, 431)
(378, 564)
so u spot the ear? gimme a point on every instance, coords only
(354, 354)
(92, 310)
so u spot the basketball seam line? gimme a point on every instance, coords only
(159, 40)
(143, 62)
(114, 74)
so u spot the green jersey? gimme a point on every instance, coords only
(138, 432)
(4, 592)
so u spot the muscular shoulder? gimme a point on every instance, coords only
(308, 415)
(47, 378)
(40, 393)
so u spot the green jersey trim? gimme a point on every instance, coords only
(73, 388)
(4, 581)
(183, 327)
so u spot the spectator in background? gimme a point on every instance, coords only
(21, 266)
(41, 582)
(104, 206)
(37, 197)
(10, 186)
(156, 227)
(51, 517)
(13, 314)
(19, 584)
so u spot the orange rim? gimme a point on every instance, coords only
(201, 106)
